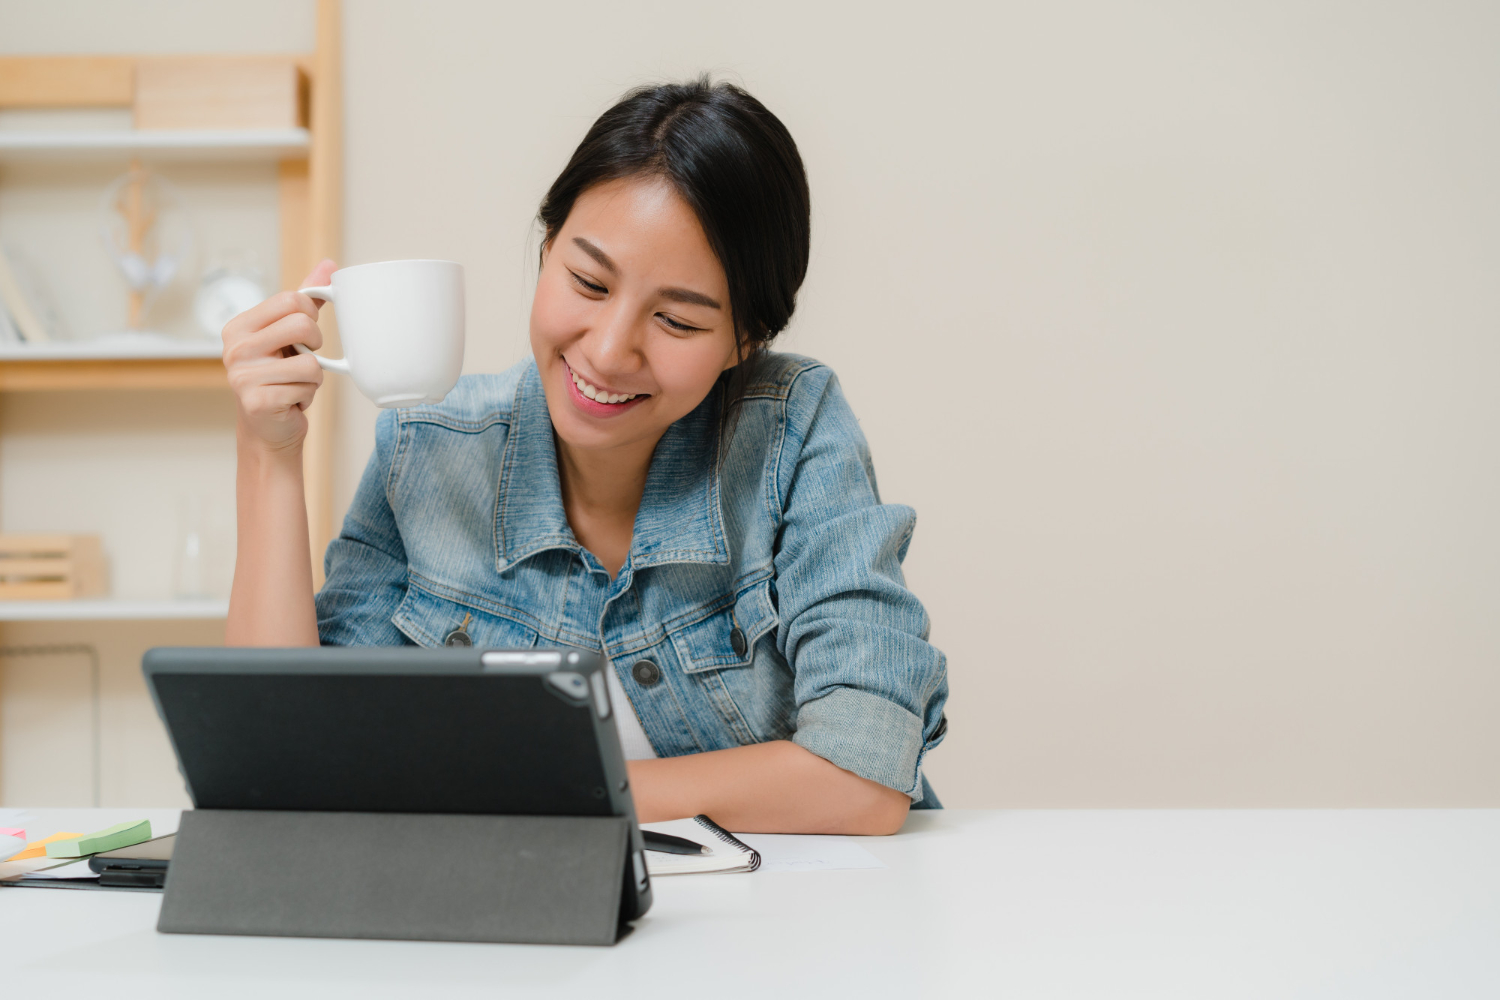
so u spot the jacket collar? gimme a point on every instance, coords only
(679, 519)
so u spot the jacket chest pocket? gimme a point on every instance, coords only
(727, 637)
(429, 620)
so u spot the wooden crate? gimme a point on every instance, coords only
(225, 92)
(50, 567)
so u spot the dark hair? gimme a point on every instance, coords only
(736, 166)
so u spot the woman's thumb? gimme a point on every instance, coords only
(320, 275)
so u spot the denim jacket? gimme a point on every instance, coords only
(762, 597)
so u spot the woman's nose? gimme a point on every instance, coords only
(614, 345)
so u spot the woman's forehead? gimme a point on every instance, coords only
(642, 225)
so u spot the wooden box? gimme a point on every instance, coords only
(229, 92)
(50, 567)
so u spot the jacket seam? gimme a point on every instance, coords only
(778, 513)
(398, 455)
(502, 495)
(457, 595)
(744, 724)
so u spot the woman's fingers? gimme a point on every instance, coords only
(300, 369)
(280, 398)
(265, 313)
(271, 341)
(272, 382)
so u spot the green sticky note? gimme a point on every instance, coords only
(111, 839)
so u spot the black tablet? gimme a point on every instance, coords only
(401, 730)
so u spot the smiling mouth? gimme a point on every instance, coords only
(599, 395)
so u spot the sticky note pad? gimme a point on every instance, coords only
(109, 839)
(10, 831)
(38, 848)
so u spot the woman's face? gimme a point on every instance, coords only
(631, 324)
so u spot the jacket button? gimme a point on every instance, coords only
(458, 637)
(941, 730)
(645, 673)
(737, 640)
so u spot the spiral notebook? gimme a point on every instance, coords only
(729, 853)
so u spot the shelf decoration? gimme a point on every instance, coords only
(50, 567)
(147, 232)
(25, 313)
(217, 92)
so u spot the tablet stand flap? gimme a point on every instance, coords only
(524, 879)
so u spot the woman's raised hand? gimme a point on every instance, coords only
(273, 383)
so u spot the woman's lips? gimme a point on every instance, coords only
(592, 407)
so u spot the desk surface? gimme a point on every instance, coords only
(1075, 904)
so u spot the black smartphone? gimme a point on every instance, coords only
(140, 866)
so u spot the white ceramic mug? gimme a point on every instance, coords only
(402, 324)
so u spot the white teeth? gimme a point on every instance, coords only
(598, 395)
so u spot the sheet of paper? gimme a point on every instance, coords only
(781, 852)
(15, 869)
(71, 869)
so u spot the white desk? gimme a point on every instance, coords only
(1068, 904)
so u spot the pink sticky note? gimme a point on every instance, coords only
(8, 831)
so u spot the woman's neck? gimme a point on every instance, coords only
(601, 494)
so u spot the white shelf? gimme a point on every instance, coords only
(110, 610)
(216, 144)
(117, 347)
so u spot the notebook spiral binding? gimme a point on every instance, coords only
(729, 838)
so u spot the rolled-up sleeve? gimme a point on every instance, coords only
(869, 687)
(365, 567)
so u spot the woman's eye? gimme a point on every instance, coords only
(587, 284)
(676, 325)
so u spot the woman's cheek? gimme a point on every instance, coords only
(555, 314)
(691, 369)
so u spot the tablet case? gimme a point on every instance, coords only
(454, 795)
(521, 879)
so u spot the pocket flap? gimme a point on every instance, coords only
(428, 620)
(709, 644)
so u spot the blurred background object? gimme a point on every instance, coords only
(51, 567)
(147, 233)
(152, 185)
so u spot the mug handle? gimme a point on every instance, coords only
(325, 293)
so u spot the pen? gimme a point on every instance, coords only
(668, 844)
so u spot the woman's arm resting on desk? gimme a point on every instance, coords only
(775, 787)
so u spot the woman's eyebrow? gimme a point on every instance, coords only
(689, 297)
(683, 295)
(599, 255)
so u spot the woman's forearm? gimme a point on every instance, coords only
(271, 603)
(775, 787)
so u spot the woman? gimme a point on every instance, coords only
(654, 484)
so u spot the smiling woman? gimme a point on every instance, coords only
(654, 484)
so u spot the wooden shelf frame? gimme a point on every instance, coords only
(116, 373)
(113, 610)
(310, 198)
(157, 144)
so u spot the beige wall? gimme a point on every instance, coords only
(1175, 322)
